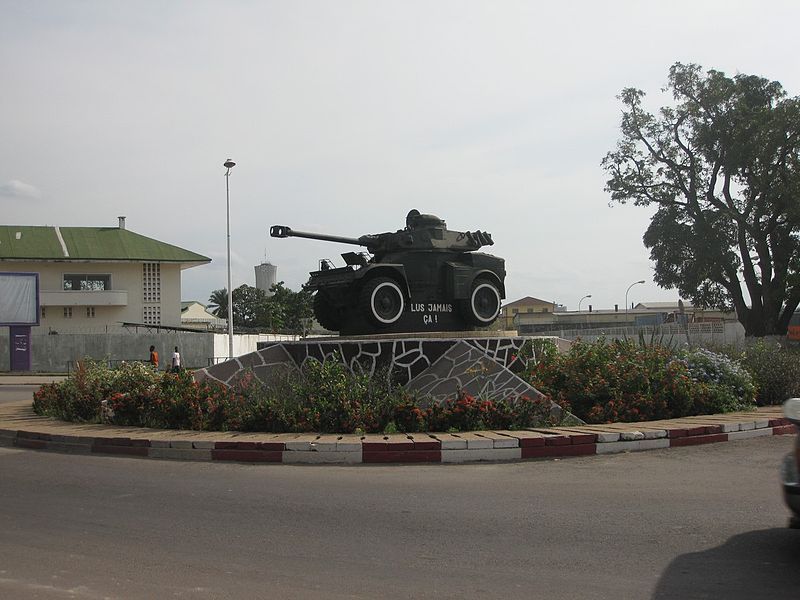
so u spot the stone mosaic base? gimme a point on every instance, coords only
(435, 367)
(465, 367)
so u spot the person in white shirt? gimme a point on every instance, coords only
(176, 360)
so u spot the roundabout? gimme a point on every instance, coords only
(21, 428)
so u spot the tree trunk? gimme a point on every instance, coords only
(763, 322)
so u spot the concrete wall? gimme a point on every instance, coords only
(170, 294)
(244, 344)
(52, 353)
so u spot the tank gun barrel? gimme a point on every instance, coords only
(282, 231)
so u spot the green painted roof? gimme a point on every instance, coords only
(88, 243)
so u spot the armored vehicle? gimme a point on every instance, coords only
(420, 278)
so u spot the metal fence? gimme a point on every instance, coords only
(72, 365)
(111, 364)
(691, 333)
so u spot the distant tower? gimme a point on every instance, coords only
(266, 277)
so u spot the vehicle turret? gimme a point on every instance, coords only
(422, 232)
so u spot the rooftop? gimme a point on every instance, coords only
(526, 300)
(36, 242)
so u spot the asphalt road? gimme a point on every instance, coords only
(12, 393)
(701, 522)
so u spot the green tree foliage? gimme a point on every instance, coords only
(218, 302)
(284, 311)
(721, 166)
(295, 307)
(252, 308)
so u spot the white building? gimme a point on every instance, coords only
(98, 278)
(266, 277)
(195, 315)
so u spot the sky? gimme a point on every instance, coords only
(344, 115)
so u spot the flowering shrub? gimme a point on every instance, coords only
(725, 385)
(324, 397)
(465, 413)
(621, 380)
(79, 397)
(597, 382)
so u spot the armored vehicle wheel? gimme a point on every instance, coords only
(382, 301)
(329, 316)
(483, 305)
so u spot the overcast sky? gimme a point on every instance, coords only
(343, 115)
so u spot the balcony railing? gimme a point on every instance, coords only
(83, 298)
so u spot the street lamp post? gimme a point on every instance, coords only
(626, 295)
(581, 300)
(229, 164)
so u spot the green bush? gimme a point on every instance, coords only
(323, 397)
(725, 385)
(775, 371)
(598, 382)
(621, 380)
(79, 397)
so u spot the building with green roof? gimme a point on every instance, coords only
(96, 278)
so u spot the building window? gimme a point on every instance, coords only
(90, 312)
(42, 311)
(151, 293)
(530, 310)
(514, 311)
(151, 282)
(83, 282)
(67, 312)
(151, 315)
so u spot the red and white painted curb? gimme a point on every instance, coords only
(40, 433)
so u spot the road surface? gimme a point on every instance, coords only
(697, 522)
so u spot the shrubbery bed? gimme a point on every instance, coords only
(598, 382)
(622, 380)
(322, 398)
(775, 371)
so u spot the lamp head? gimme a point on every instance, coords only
(228, 164)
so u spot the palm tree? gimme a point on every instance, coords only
(218, 301)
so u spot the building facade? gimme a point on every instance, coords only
(645, 314)
(98, 278)
(266, 277)
(195, 315)
(526, 305)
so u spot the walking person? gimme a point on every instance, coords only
(153, 358)
(176, 361)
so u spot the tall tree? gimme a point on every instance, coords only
(252, 308)
(722, 167)
(218, 301)
(293, 306)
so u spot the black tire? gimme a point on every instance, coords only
(382, 301)
(328, 315)
(483, 305)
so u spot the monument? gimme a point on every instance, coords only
(423, 278)
(397, 300)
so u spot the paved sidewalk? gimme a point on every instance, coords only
(20, 427)
(34, 379)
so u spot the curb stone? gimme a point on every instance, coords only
(21, 428)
